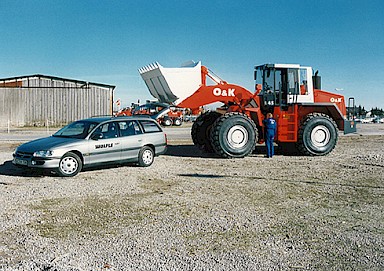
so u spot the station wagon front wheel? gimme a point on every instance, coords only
(146, 156)
(70, 165)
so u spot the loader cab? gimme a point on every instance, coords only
(281, 85)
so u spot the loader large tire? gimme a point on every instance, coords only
(201, 130)
(234, 135)
(318, 135)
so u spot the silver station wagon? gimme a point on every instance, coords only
(94, 141)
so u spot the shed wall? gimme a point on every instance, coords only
(59, 105)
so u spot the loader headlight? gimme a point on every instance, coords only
(42, 153)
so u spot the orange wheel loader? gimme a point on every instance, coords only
(308, 118)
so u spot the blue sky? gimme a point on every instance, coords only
(107, 41)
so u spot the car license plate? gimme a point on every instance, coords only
(21, 162)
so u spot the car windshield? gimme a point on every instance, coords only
(78, 129)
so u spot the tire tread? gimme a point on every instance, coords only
(300, 142)
(215, 134)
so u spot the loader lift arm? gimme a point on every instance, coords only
(186, 87)
(225, 93)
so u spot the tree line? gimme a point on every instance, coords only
(361, 111)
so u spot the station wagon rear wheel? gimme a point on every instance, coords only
(70, 165)
(146, 156)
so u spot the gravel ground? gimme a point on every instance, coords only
(191, 211)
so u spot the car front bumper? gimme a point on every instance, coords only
(36, 162)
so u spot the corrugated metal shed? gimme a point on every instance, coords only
(34, 100)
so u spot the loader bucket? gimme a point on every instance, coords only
(171, 85)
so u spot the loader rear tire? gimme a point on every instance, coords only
(201, 130)
(318, 135)
(234, 135)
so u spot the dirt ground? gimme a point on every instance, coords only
(193, 211)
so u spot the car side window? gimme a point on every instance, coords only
(150, 126)
(128, 128)
(107, 130)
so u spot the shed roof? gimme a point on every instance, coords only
(26, 77)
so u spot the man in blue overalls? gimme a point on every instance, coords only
(270, 132)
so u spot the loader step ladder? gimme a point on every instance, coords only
(288, 125)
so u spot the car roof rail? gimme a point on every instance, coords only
(142, 116)
(102, 116)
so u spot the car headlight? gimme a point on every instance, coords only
(42, 153)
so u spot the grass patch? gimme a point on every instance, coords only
(99, 216)
(220, 241)
(65, 218)
(157, 186)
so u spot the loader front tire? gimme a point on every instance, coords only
(201, 130)
(318, 135)
(234, 135)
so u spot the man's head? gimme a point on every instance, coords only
(269, 116)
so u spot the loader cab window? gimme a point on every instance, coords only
(277, 84)
(293, 79)
(269, 80)
(268, 89)
(303, 82)
(279, 89)
(265, 87)
(274, 87)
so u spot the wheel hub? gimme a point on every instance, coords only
(320, 136)
(68, 165)
(147, 157)
(237, 136)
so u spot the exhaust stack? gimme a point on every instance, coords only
(316, 81)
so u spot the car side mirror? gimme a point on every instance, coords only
(96, 136)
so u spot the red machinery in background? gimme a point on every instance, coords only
(165, 114)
